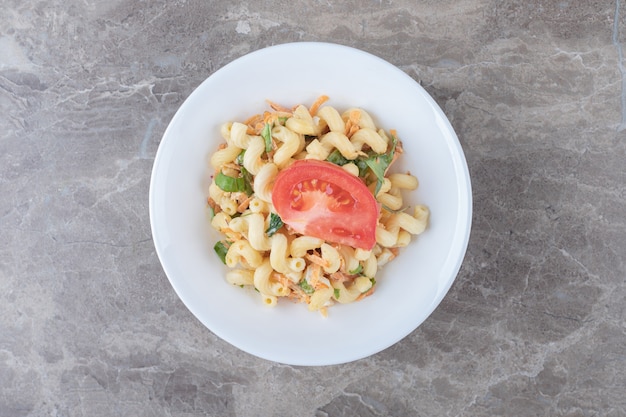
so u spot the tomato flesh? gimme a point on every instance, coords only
(319, 199)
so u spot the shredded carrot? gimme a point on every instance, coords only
(232, 234)
(269, 117)
(252, 119)
(245, 203)
(278, 107)
(257, 122)
(366, 293)
(317, 103)
(232, 166)
(258, 128)
(396, 155)
(315, 276)
(253, 123)
(352, 125)
(340, 276)
(297, 294)
(282, 279)
(216, 207)
(316, 259)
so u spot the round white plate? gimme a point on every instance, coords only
(408, 289)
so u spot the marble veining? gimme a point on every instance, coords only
(620, 62)
(534, 325)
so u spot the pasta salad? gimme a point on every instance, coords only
(307, 205)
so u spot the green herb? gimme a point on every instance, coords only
(221, 248)
(306, 287)
(379, 164)
(282, 120)
(232, 184)
(390, 210)
(266, 134)
(376, 164)
(239, 159)
(336, 292)
(356, 270)
(337, 158)
(373, 281)
(275, 223)
(362, 165)
(247, 178)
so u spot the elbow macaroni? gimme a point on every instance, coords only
(280, 263)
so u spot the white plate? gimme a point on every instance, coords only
(408, 289)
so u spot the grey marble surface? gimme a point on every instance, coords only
(535, 324)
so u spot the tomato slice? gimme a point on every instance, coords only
(319, 199)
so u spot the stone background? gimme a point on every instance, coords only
(535, 324)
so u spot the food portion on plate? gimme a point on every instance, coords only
(307, 204)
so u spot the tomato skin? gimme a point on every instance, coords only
(320, 199)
